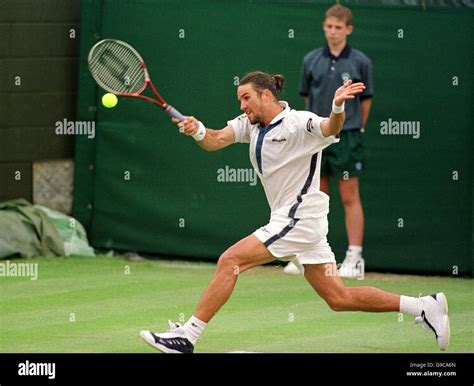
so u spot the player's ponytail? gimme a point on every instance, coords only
(262, 81)
(279, 80)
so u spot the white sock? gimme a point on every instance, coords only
(355, 248)
(194, 328)
(411, 305)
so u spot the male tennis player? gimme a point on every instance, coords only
(285, 150)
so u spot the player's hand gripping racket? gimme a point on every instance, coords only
(118, 68)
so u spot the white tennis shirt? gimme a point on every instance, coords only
(286, 156)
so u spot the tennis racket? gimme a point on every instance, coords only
(118, 68)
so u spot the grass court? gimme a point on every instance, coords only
(100, 304)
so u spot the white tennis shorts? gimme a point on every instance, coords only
(302, 241)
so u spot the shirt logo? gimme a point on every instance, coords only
(278, 139)
(309, 125)
(345, 77)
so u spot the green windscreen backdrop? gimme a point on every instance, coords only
(142, 186)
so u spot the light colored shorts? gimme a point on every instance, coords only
(302, 241)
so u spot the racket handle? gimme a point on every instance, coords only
(174, 113)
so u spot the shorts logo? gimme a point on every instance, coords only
(278, 139)
(345, 77)
(309, 125)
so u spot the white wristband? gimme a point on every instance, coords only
(337, 109)
(201, 133)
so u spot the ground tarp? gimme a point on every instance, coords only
(28, 230)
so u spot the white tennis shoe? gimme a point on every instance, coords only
(175, 341)
(434, 317)
(353, 266)
(292, 269)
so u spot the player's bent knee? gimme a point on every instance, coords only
(339, 302)
(228, 261)
(335, 306)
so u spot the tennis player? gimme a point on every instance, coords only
(285, 150)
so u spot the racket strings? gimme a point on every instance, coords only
(117, 68)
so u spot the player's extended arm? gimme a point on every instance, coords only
(213, 139)
(333, 125)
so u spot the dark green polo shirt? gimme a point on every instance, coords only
(323, 74)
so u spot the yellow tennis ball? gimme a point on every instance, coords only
(109, 100)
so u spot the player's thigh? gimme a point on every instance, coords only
(325, 280)
(247, 253)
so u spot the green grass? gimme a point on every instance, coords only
(83, 304)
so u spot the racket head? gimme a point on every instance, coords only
(117, 67)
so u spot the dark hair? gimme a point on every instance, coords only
(262, 81)
(339, 12)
